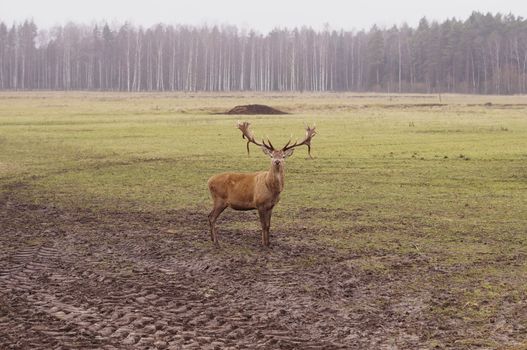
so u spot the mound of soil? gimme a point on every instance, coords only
(254, 109)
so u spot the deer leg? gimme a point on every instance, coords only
(213, 216)
(265, 220)
(268, 226)
(261, 213)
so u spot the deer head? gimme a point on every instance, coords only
(277, 156)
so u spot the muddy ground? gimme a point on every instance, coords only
(133, 280)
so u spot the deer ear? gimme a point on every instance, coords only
(289, 152)
(267, 151)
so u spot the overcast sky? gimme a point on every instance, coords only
(262, 15)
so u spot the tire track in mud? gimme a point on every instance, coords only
(119, 280)
(41, 320)
(219, 312)
(159, 303)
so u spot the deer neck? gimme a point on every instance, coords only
(275, 178)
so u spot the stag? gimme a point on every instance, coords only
(260, 190)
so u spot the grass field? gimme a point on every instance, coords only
(411, 221)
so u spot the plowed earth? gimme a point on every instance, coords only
(122, 280)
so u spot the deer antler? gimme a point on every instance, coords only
(310, 133)
(247, 134)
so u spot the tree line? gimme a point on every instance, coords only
(484, 54)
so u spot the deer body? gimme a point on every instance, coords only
(248, 191)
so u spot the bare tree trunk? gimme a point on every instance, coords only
(400, 66)
(128, 60)
(159, 76)
(498, 69)
(518, 67)
(242, 68)
(136, 85)
(524, 84)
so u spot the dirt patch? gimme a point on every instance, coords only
(409, 105)
(500, 105)
(254, 109)
(71, 279)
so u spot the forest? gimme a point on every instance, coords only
(483, 54)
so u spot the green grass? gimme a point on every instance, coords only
(447, 183)
(459, 168)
